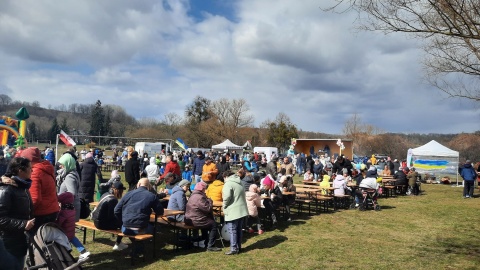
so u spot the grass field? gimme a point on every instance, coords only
(436, 230)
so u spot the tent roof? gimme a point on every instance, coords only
(433, 148)
(227, 144)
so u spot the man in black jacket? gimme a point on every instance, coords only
(340, 164)
(88, 170)
(132, 171)
(103, 215)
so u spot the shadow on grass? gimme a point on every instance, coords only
(468, 247)
(266, 243)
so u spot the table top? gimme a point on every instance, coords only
(169, 212)
(288, 193)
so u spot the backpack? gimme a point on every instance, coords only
(84, 208)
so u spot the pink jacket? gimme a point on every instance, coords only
(66, 217)
(253, 202)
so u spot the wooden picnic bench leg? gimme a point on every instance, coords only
(84, 235)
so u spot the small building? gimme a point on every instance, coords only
(329, 146)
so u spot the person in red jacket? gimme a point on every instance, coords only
(43, 189)
(172, 166)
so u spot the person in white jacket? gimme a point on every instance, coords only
(152, 171)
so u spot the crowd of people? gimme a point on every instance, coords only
(35, 190)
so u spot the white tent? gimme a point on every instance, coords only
(433, 158)
(227, 145)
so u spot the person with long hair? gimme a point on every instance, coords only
(16, 209)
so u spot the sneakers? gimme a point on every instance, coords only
(260, 232)
(83, 256)
(214, 249)
(120, 246)
(289, 219)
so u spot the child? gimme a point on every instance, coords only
(253, 202)
(187, 174)
(66, 221)
(325, 182)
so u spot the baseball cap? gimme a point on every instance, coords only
(118, 185)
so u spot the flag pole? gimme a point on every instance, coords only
(56, 149)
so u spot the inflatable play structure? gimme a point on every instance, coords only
(12, 131)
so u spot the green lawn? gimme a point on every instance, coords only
(436, 230)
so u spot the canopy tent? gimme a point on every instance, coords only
(227, 145)
(433, 158)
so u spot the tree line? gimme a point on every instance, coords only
(207, 122)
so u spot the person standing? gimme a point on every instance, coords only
(235, 210)
(209, 171)
(88, 170)
(469, 175)
(289, 170)
(43, 190)
(272, 166)
(197, 166)
(132, 170)
(16, 209)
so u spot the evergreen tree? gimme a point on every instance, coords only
(281, 131)
(53, 131)
(32, 132)
(97, 119)
(64, 125)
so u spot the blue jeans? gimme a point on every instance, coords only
(139, 246)
(77, 244)
(198, 178)
(235, 230)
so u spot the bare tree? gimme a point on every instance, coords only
(5, 100)
(450, 30)
(172, 123)
(231, 115)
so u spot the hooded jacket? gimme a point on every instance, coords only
(253, 202)
(43, 189)
(88, 170)
(66, 217)
(214, 190)
(16, 208)
(152, 170)
(68, 180)
(247, 181)
(103, 215)
(178, 201)
(199, 210)
(468, 172)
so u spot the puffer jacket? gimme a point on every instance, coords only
(66, 217)
(178, 201)
(253, 202)
(199, 211)
(247, 181)
(16, 208)
(214, 190)
(152, 170)
(88, 170)
(43, 190)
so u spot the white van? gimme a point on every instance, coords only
(268, 151)
(151, 148)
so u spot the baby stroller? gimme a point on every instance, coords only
(369, 199)
(50, 249)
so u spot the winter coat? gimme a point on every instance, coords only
(247, 181)
(340, 186)
(468, 172)
(253, 202)
(339, 166)
(370, 183)
(209, 172)
(16, 208)
(50, 157)
(132, 171)
(187, 175)
(66, 217)
(318, 168)
(3, 166)
(178, 201)
(135, 208)
(396, 166)
(289, 170)
(88, 170)
(401, 178)
(43, 189)
(152, 170)
(199, 210)
(234, 199)
(214, 190)
(412, 178)
(103, 215)
(277, 198)
(172, 167)
(325, 184)
(222, 166)
(197, 166)
(271, 168)
(68, 180)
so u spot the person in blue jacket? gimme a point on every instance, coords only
(469, 175)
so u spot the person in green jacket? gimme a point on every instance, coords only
(235, 210)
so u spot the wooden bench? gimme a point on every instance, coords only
(176, 226)
(85, 224)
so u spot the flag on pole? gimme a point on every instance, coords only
(66, 139)
(181, 144)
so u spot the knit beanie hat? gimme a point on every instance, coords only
(201, 186)
(32, 154)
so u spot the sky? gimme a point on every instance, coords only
(154, 57)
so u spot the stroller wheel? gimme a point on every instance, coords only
(377, 207)
(362, 207)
